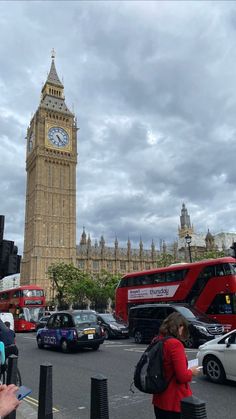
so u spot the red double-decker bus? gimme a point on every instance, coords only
(26, 303)
(208, 285)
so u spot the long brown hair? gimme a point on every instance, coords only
(170, 326)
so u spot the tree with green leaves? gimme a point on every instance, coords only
(165, 259)
(106, 284)
(62, 276)
(73, 286)
(210, 254)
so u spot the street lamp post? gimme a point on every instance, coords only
(188, 240)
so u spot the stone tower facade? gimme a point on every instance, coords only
(185, 224)
(50, 211)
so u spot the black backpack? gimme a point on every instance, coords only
(149, 375)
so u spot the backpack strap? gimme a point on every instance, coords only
(164, 339)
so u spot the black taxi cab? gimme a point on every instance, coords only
(69, 330)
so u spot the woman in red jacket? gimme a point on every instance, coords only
(175, 366)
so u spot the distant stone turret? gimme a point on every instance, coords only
(210, 241)
(185, 224)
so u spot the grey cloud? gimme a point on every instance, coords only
(129, 70)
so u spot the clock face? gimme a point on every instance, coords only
(58, 137)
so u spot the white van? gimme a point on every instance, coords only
(7, 317)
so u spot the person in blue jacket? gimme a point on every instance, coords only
(7, 336)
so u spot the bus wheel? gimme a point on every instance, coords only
(138, 336)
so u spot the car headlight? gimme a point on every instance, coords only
(202, 329)
(114, 327)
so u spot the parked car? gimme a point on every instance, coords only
(145, 321)
(41, 322)
(218, 358)
(71, 330)
(112, 327)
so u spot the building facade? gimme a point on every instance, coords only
(50, 210)
(96, 257)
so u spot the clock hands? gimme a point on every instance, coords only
(58, 137)
(60, 140)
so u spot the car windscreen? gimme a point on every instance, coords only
(84, 318)
(44, 319)
(193, 314)
(108, 317)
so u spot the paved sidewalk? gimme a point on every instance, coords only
(25, 411)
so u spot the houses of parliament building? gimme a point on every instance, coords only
(95, 257)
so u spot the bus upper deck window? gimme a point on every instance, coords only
(232, 268)
(227, 269)
(122, 283)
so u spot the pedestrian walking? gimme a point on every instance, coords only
(175, 368)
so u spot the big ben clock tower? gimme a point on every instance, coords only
(50, 213)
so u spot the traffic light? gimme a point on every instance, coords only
(9, 259)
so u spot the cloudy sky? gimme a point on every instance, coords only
(153, 85)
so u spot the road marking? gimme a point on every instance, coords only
(119, 400)
(35, 402)
(117, 345)
(24, 337)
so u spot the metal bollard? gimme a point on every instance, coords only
(193, 408)
(11, 378)
(12, 369)
(45, 392)
(99, 399)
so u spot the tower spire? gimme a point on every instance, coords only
(53, 76)
(52, 97)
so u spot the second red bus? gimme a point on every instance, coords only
(26, 303)
(208, 285)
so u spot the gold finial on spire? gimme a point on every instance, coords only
(53, 53)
